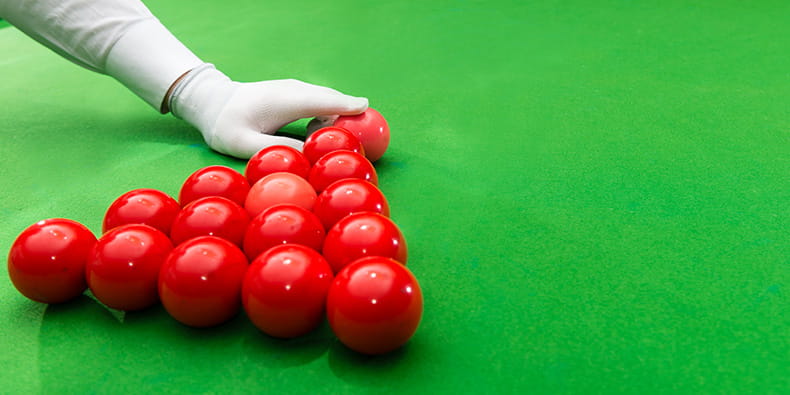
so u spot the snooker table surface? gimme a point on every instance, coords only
(595, 196)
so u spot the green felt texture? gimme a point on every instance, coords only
(595, 196)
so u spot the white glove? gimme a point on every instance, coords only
(239, 119)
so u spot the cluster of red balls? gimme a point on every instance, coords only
(299, 237)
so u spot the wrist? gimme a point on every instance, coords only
(165, 107)
(199, 97)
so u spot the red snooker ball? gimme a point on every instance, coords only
(142, 206)
(283, 224)
(372, 130)
(374, 305)
(200, 281)
(124, 264)
(329, 139)
(274, 159)
(214, 181)
(210, 216)
(346, 197)
(360, 235)
(339, 165)
(279, 188)
(284, 291)
(46, 262)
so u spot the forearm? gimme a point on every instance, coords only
(120, 38)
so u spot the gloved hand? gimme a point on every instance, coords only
(239, 119)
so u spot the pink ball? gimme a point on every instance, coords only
(279, 188)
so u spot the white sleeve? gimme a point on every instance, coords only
(120, 38)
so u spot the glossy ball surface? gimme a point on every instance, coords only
(142, 206)
(214, 181)
(371, 129)
(330, 139)
(200, 281)
(210, 216)
(46, 262)
(360, 235)
(284, 291)
(374, 305)
(346, 197)
(339, 165)
(279, 188)
(275, 159)
(283, 224)
(123, 266)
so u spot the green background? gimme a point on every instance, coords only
(595, 195)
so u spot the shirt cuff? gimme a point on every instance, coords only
(147, 59)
